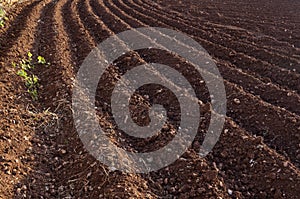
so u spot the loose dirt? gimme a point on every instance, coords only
(255, 45)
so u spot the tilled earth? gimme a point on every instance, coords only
(255, 45)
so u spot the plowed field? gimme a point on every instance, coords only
(256, 47)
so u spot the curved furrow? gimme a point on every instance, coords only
(259, 125)
(90, 40)
(255, 124)
(256, 36)
(52, 42)
(226, 30)
(243, 5)
(292, 172)
(15, 14)
(265, 43)
(260, 30)
(241, 164)
(80, 41)
(20, 32)
(231, 41)
(268, 43)
(161, 192)
(81, 17)
(258, 68)
(246, 164)
(100, 11)
(80, 44)
(105, 20)
(54, 84)
(237, 58)
(56, 42)
(94, 26)
(15, 104)
(283, 29)
(268, 92)
(268, 86)
(248, 37)
(291, 106)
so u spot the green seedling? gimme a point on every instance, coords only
(3, 18)
(31, 80)
(41, 60)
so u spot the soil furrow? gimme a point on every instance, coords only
(102, 14)
(244, 160)
(231, 41)
(259, 125)
(17, 33)
(279, 33)
(50, 42)
(14, 13)
(102, 183)
(80, 42)
(245, 150)
(75, 173)
(107, 17)
(258, 68)
(257, 154)
(287, 99)
(98, 30)
(23, 116)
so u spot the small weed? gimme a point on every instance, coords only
(31, 80)
(3, 18)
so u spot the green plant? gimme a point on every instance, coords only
(31, 80)
(3, 18)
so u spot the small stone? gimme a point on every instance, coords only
(24, 187)
(236, 100)
(63, 151)
(221, 183)
(166, 181)
(19, 191)
(89, 174)
(230, 191)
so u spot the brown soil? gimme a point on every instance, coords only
(256, 46)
